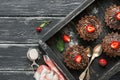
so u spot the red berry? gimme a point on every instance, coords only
(66, 38)
(78, 58)
(118, 16)
(115, 44)
(38, 29)
(90, 28)
(102, 62)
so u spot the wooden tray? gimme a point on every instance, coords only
(97, 73)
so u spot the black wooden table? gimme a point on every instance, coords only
(18, 22)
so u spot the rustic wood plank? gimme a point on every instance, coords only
(23, 29)
(115, 77)
(14, 64)
(111, 73)
(13, 57)
(67, 19)
(37, 7)
(16, 75)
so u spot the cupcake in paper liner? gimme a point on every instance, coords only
(112, 17)
(76, 57)
(89, 27)
(111, 44)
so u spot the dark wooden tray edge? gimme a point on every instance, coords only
(67, 19)
(115, 69)
(59, 64)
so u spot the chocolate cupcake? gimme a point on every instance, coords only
(76, 57)
(89, 28)
(111, 44)
(112, 17)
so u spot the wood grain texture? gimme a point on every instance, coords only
(111, 73)
(18, 21)
(23, 29)
(37, 7)
(16, 75)
(67, 19)
(115, 77)
(13, 57)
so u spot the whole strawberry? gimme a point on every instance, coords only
(102, 62)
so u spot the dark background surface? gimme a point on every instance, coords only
(18, 21)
